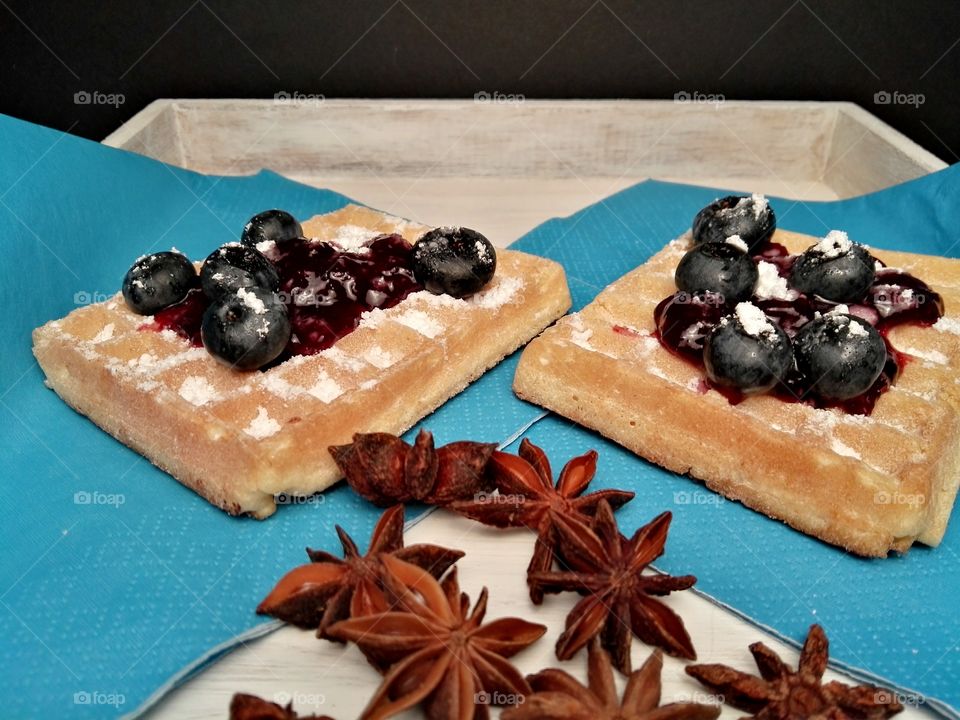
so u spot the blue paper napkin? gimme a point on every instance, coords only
(895, 618)
(115, 581)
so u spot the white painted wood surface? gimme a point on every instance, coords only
(504, 168)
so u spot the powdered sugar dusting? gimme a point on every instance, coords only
(378, 357)
(753, 320)
(250, 299)
(144, 363)
(339, 357)
(948, 325)
(841, 448)
(262, 426)
(498, 293)
(150, 364)
(326, 389)
(352, 238)
(421, 322)
(757, 202)
(373, 319)
(105, 334)
(770, 284)
(266, 246)
(855, 329)
(279, 386)
(934, 356)
(835, 244)
(580, 334)
(198, 391)
(738, 242)
(483, 251)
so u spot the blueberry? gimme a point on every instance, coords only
(747, 350)
(840, 355)
(276, 225)
(750, 217)
(246, 329)
(234, 266)
(157, 281)
(717, 268)
(835, 269)
(453, 261)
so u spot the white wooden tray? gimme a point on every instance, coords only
(504, 167)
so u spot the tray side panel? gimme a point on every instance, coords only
(863, 149)
(443, 138)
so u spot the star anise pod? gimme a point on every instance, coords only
(527, 497)
(329, 589)
(558, 696)
(607, 568)
(384, 469)
(250, 707)
(440, 654)
(781, 693)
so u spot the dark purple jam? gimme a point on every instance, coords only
(326, 289)
(184, 318)
(683, 322)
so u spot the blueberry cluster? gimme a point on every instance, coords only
(246, 324)
(838, 355)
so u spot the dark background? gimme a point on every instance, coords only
(783, 49)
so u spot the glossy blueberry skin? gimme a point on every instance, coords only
(838, 364)
(843, 279)
(239, 336)
(454, 261)
(722, 219)
(233, 266)
(276, 225)
(752, 364)
(718, 268)
(157, 281)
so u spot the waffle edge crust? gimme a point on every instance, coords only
(870, 484)
(242, 439)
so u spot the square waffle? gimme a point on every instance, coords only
(870, 484)
(241, 438)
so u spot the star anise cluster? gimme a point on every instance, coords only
(439, 653)
(782, 693)
(557, 695)
(620, 599)
(385, 470)
(329, 589)
(578, 534)
(403, 608)
(527, 497)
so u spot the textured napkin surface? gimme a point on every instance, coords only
(114, 577)
(895, 618)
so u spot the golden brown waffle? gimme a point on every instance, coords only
(868, 483)
(238, 439)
